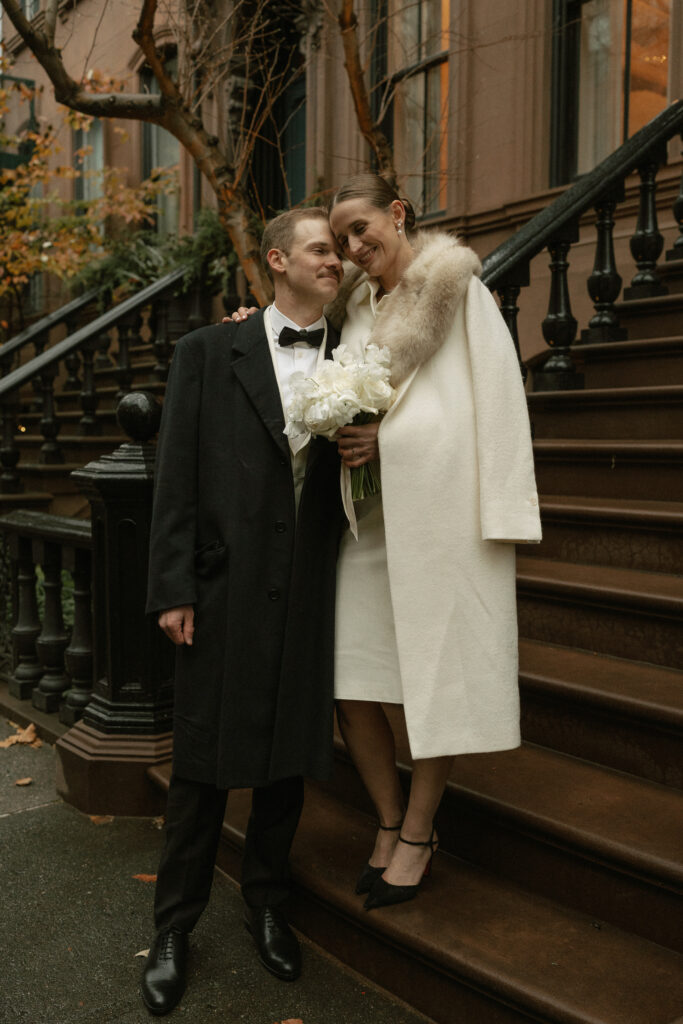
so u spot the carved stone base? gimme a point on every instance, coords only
(677, 252)
(104, 774)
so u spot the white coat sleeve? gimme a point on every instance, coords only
(507, 486)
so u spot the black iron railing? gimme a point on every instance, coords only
(507, 269)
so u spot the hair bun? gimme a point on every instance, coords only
(410, 213)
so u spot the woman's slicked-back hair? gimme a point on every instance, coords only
(373, 190)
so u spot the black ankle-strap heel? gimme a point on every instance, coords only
(384, 894)
(370, 874)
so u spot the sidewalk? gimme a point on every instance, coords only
(74, 917)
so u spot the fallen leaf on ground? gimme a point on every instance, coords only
(27, 736)
(159, 822)
(23, 782)
(291, 1020)
(146, 878)
(101, 819)
(143, 952)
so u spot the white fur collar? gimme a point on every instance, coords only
(415, 318)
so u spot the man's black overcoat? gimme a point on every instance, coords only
(254, 694)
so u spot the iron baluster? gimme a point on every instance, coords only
(604, 284)
(50, 452)
(27, 667)
(647, 242)
(676, 252)
(88, 423)
(78, 656)
(559, 327)
(53, 638)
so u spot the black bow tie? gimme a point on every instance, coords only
(288, 336)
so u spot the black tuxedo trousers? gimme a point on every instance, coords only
(193, 826)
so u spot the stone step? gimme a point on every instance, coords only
(623, 612)
(635, 412)
(619, 364)
(625, 715)
(659, 316)
(593, 839)
(650, 470)
(626, 532)
(472, 947)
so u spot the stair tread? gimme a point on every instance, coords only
(614, 349)
(622, 819)
(613, 395)
(649, 691)
(530, 952)
(608, 446)
(635, 509)
(525, 949)
(661, 591)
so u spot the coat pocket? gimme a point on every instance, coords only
(210, 559)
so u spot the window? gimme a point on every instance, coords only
(88, 157)
(160, 149)
(410, 93)
(610, 77)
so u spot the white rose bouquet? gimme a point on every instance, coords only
(345, 390)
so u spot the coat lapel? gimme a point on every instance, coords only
(253, 367)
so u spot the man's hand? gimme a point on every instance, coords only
(358, 445)
(241, 314)
(178, 624)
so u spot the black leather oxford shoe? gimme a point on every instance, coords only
(277, 944)
(163, 977)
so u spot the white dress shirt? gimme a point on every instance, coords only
(288, 360)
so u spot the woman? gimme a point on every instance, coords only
(426, 605)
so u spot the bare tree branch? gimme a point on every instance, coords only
(373, 134)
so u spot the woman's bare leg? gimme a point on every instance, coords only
(370, 741)
(428, 783)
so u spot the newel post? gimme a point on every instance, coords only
(126, 726)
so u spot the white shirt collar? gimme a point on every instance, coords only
(278, 320)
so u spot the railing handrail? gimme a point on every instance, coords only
(47, 322)
(45, 526)
(535, 235)
(23, 374)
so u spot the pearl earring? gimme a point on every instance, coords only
(399, 226)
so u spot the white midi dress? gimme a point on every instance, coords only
(366, 655)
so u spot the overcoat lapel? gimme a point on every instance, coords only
(253, 367)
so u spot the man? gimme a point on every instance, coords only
(242, 576)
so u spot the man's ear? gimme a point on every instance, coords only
(275, 260)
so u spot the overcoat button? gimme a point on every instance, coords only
(274, 594)
(280, 527)
(283, 460)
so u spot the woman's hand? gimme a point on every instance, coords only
(178, 624)
(241, 314)
(358, 445)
